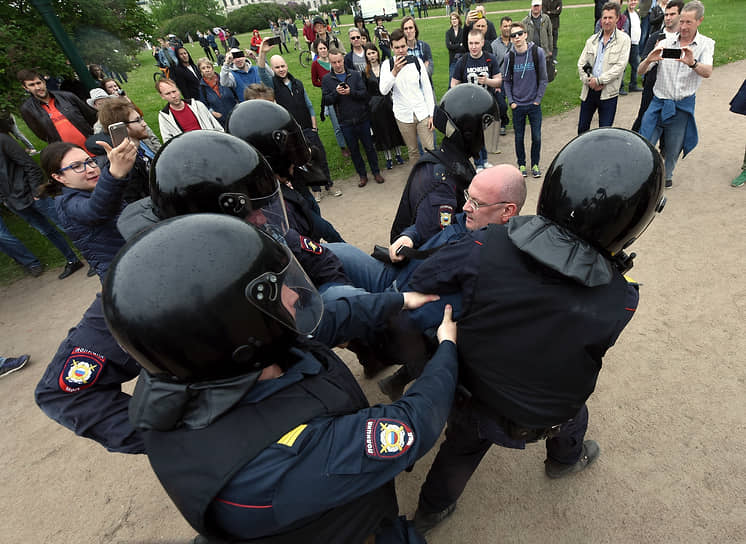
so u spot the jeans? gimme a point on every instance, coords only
(469, 436)
(332, 115)
(359, 133)
(375, 276)
(644, 28)
(606, 111)
(14, 248)
(481, 159)
(634, 62)
(42, 216)
(533, 112)
(673, 131)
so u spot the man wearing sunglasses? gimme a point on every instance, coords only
(525, 81)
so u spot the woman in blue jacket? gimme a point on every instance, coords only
(89, 200)
(219, 99)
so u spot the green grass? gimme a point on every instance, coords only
(724, 21)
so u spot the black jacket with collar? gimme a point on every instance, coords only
(82, 116)
(19, 175)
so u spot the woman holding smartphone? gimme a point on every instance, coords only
(88, 199)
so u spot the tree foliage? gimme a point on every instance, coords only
(164, 10)
(186, 23)
(253, 16)
(105, 32)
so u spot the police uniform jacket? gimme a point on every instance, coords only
(321, 450)
(81, 387)
(548, 303)
(434, 191)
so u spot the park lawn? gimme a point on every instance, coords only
(724, 21)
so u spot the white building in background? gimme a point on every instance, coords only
(231, 5)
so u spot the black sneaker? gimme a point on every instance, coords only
(669, 183)
(70, 268)
(590, 453)
(425, 522)
(91, 271)
(13, 364)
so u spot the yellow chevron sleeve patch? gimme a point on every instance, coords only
(290, 437)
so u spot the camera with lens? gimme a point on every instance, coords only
(588, 69)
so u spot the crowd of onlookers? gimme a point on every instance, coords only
(376, 90)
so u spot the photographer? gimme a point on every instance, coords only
(238, 73)
(405, 76)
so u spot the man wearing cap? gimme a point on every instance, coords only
(539, 31)
(322, 36)
(54, 115)
(238, 72)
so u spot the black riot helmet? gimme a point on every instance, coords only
(209, 171)
(206, 296)
(272, 130)
(605, 186)
(463, 114)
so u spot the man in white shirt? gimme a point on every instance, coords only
(412, 95)
(671, 113)
(635, 33)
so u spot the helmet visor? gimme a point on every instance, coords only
(294, 145)
(266, 212)
(288, 296)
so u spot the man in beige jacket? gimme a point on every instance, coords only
(601, 68)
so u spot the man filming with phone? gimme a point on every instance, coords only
(412, 95)
(683, 61)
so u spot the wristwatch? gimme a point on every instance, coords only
(693, 66)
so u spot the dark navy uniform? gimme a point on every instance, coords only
(302, 458)
(520, 282)
(434, 192)
(81, 388)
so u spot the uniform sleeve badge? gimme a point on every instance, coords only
(306, 244)
(446, 214)
(387, 438)
(81, 370)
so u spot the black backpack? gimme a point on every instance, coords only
(511, 64)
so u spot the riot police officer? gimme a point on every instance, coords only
(435, 187)
(246, 414)
(220, 173)
(546, 293)
(275, 134)
(82, 386)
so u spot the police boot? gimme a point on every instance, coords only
(393, 386)
(372, 364)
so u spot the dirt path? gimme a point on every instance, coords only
(668, 410)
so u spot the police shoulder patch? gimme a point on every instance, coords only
(387, 438)
(446, 215)
(306, 244)
(81, 370)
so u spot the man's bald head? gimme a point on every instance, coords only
(499, 193)
(279, 66)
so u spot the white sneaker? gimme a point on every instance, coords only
(480, 168)
(488, 164)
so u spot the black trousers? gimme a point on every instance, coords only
(468, 437)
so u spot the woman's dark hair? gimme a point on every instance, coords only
(51, 162)
(316, 43)
(370, 47)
